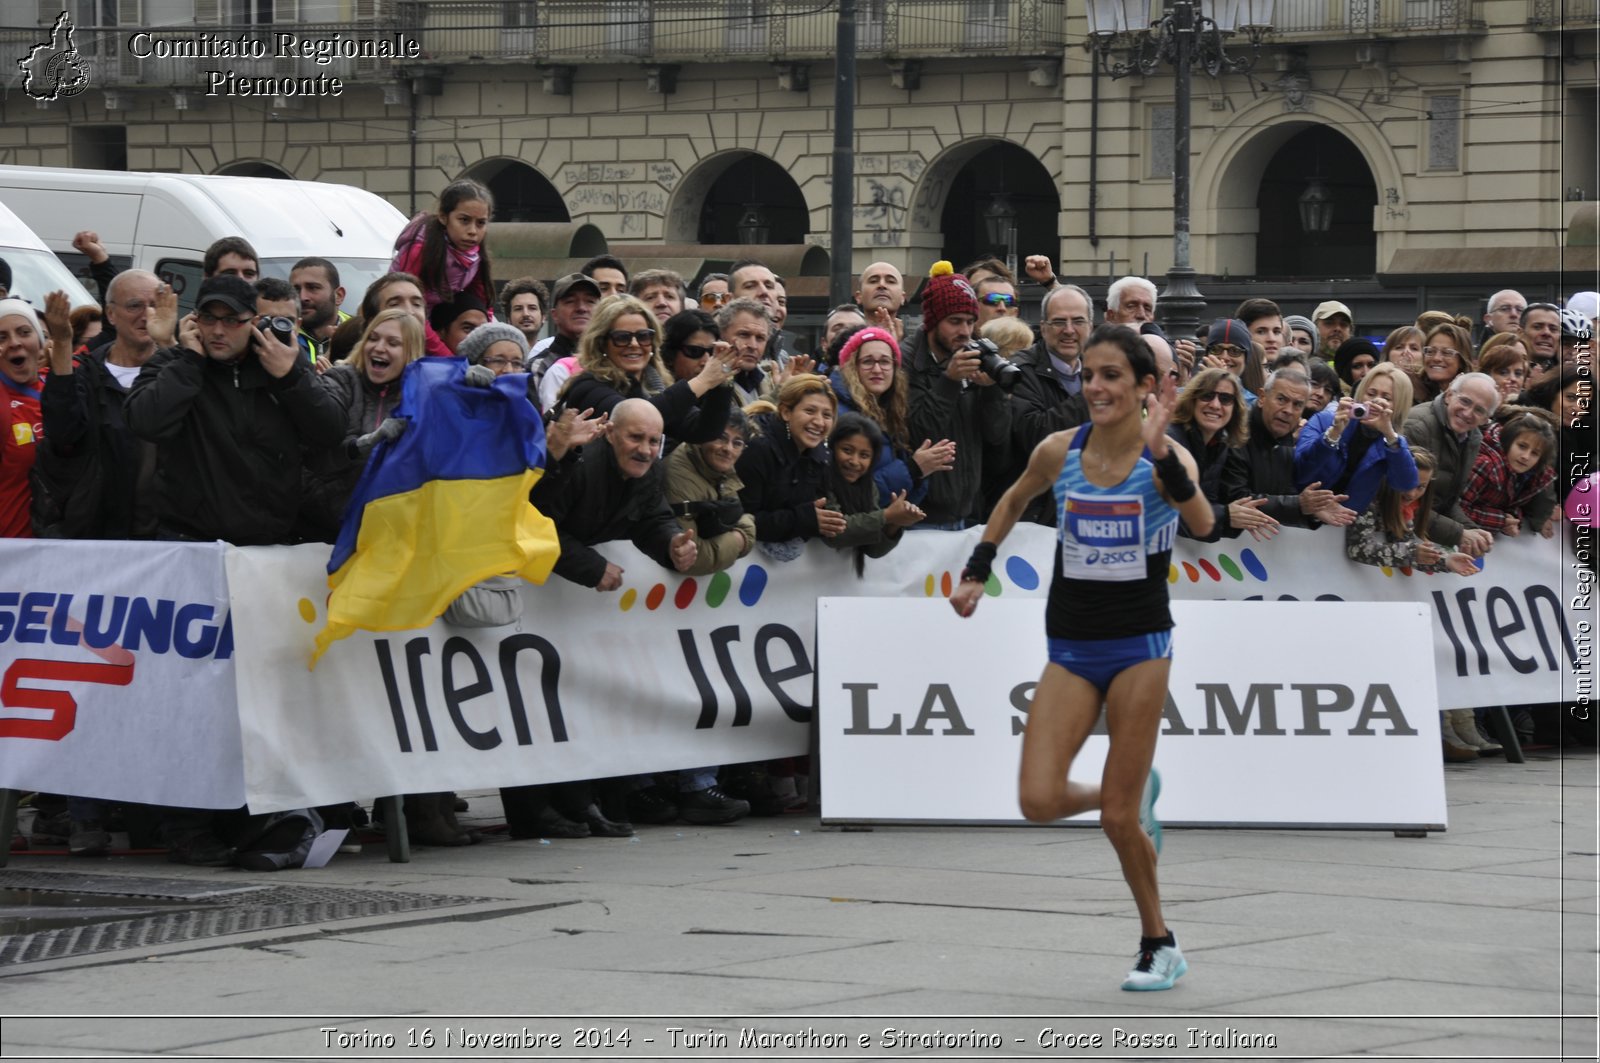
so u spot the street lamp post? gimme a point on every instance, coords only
(1188, 32)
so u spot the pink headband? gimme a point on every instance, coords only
(867, 335)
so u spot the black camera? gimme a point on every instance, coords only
(282, 328)
(711, 518)
(1003, 373)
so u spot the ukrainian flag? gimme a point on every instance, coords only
(442, 507)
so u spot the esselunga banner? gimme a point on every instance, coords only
(118, 678)
(668, 672)
(911, 737)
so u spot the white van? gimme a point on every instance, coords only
(35, 272)
(163, 222)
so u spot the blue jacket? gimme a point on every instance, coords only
(894, 469)
(1315, 461)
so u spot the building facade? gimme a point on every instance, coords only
(1452, 139)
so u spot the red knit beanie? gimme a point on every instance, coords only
(947, 293)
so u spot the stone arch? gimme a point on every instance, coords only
(254, 168)
(946, 173)
(1228, 175)
(521, 192)
(705, 207)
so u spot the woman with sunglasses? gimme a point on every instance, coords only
(1208, 420)
(619, 358)
(688, 338)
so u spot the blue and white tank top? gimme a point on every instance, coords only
(1114, 551)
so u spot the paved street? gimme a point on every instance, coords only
(1471, 943)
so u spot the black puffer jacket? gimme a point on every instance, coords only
(93, 477)
(1264, 467)
(1210, 461)
(782, 485)
(229, 439)
(591, 502)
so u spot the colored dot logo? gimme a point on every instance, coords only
(1022, 575)
(1224, 565)
(752, 585)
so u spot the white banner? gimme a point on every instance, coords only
(118, 678)
(922, 713)
(669, 672)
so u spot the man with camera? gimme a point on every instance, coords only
(229, 410)
(952, 397)
(1048, 396)
(278, 312)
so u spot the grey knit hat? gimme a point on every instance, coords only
(1291, 321)
(480, 339)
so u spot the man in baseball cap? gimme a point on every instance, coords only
(1334, 324)
(572, 303)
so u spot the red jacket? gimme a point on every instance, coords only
(23, 426)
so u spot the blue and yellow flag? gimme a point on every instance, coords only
(442, 507)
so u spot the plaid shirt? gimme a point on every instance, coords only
(1493, 493)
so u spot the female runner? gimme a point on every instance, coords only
(1120, 486)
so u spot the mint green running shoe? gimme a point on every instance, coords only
(1147, 808)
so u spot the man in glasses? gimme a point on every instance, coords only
(84, 411)
(1451, 428)
(1505, 313)
(1541, 334)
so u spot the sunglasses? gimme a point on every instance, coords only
(715, 298)
(644, 338)
(1226, 398)
(999, 299)
(694, 350)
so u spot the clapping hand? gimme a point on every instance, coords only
(572, 429)
(934, 457)
(901, 514)
(1246, 514)
(830, 522)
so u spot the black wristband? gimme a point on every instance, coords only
(980, 563)
(1175, 478)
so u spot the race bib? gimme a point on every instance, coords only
(1102, 538)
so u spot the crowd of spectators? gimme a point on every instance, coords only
(691, 424)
